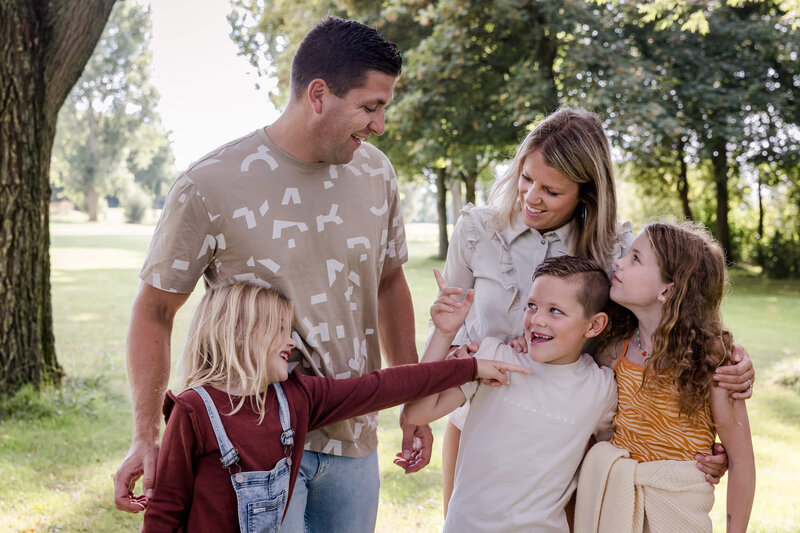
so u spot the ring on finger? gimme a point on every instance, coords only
(749, 383)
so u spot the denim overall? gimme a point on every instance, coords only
(261, 496)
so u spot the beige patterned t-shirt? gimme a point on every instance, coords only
(320, 234)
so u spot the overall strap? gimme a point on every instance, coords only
(287, 437)
(229, 455)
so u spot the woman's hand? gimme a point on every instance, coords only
(447, 313)
(737, 378)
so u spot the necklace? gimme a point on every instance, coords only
(639, 343)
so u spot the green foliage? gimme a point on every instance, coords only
(787, 374)
(74, 395)
(136, 205)
(109, 135)
(780, 258)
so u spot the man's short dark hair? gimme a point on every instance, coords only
(591, 280)
(341, 52)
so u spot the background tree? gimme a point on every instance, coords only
(44, 47)
(108, 128)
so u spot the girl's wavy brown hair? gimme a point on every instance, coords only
(690, 339)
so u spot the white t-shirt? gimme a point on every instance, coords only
(522, 444)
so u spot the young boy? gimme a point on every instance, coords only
(522, 444)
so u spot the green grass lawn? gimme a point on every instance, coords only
(59, 451)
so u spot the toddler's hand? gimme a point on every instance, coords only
(447, 313)
(494, 372)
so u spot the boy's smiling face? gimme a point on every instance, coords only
(556, 326)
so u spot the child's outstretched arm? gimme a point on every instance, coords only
(436, 406)
(448, 314)
(730, 419)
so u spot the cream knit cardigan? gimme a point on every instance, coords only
(618, 495)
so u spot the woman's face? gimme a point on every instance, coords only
(547, 197)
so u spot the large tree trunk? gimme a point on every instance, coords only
(456, 200)
(94, 168)
(719, 162)
(441, 210)
(683, 181)
(44, 46)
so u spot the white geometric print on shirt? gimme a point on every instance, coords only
(157, 283)
(270, 265)
(379, 211)
(264, 208)
(352, 169)
(357, 427)
(208, 242)
(363, 241)
(293, 194)
(384, 234)
(334, 266)
(334, 447)
(330, 217)
(334, 176)
(261, 155)
(383, 171)
(359, 361)
(319, 298)
(372, 420)
(248, 216)
(279, 225)
(180, 265)
(320, 330)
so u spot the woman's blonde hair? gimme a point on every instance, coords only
(571, 141)
(233, 321)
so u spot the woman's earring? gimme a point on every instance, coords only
(662, 298)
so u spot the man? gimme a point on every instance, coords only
(309, 208)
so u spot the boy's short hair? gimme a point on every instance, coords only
(341, 52)
(591, 280)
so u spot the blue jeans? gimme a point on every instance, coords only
(334, 494)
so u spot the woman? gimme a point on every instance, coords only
(557, 197)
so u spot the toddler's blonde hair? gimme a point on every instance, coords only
(233, 321)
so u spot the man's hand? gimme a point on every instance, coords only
(417, 446)
(714, 466)
(140, 461)
(737, 378)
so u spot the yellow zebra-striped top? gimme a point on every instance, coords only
(647, 422)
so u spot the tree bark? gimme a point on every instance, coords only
(456, 200)
(719, 161)
(94, 168)
(44, 46)
(683, 181)
(441, 210)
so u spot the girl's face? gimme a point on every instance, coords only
(637, 281)
(279, 362)
(548, 198)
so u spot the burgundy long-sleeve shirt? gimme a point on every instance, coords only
(193, 492)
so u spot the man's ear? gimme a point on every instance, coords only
(597, 323)
(316, 93)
